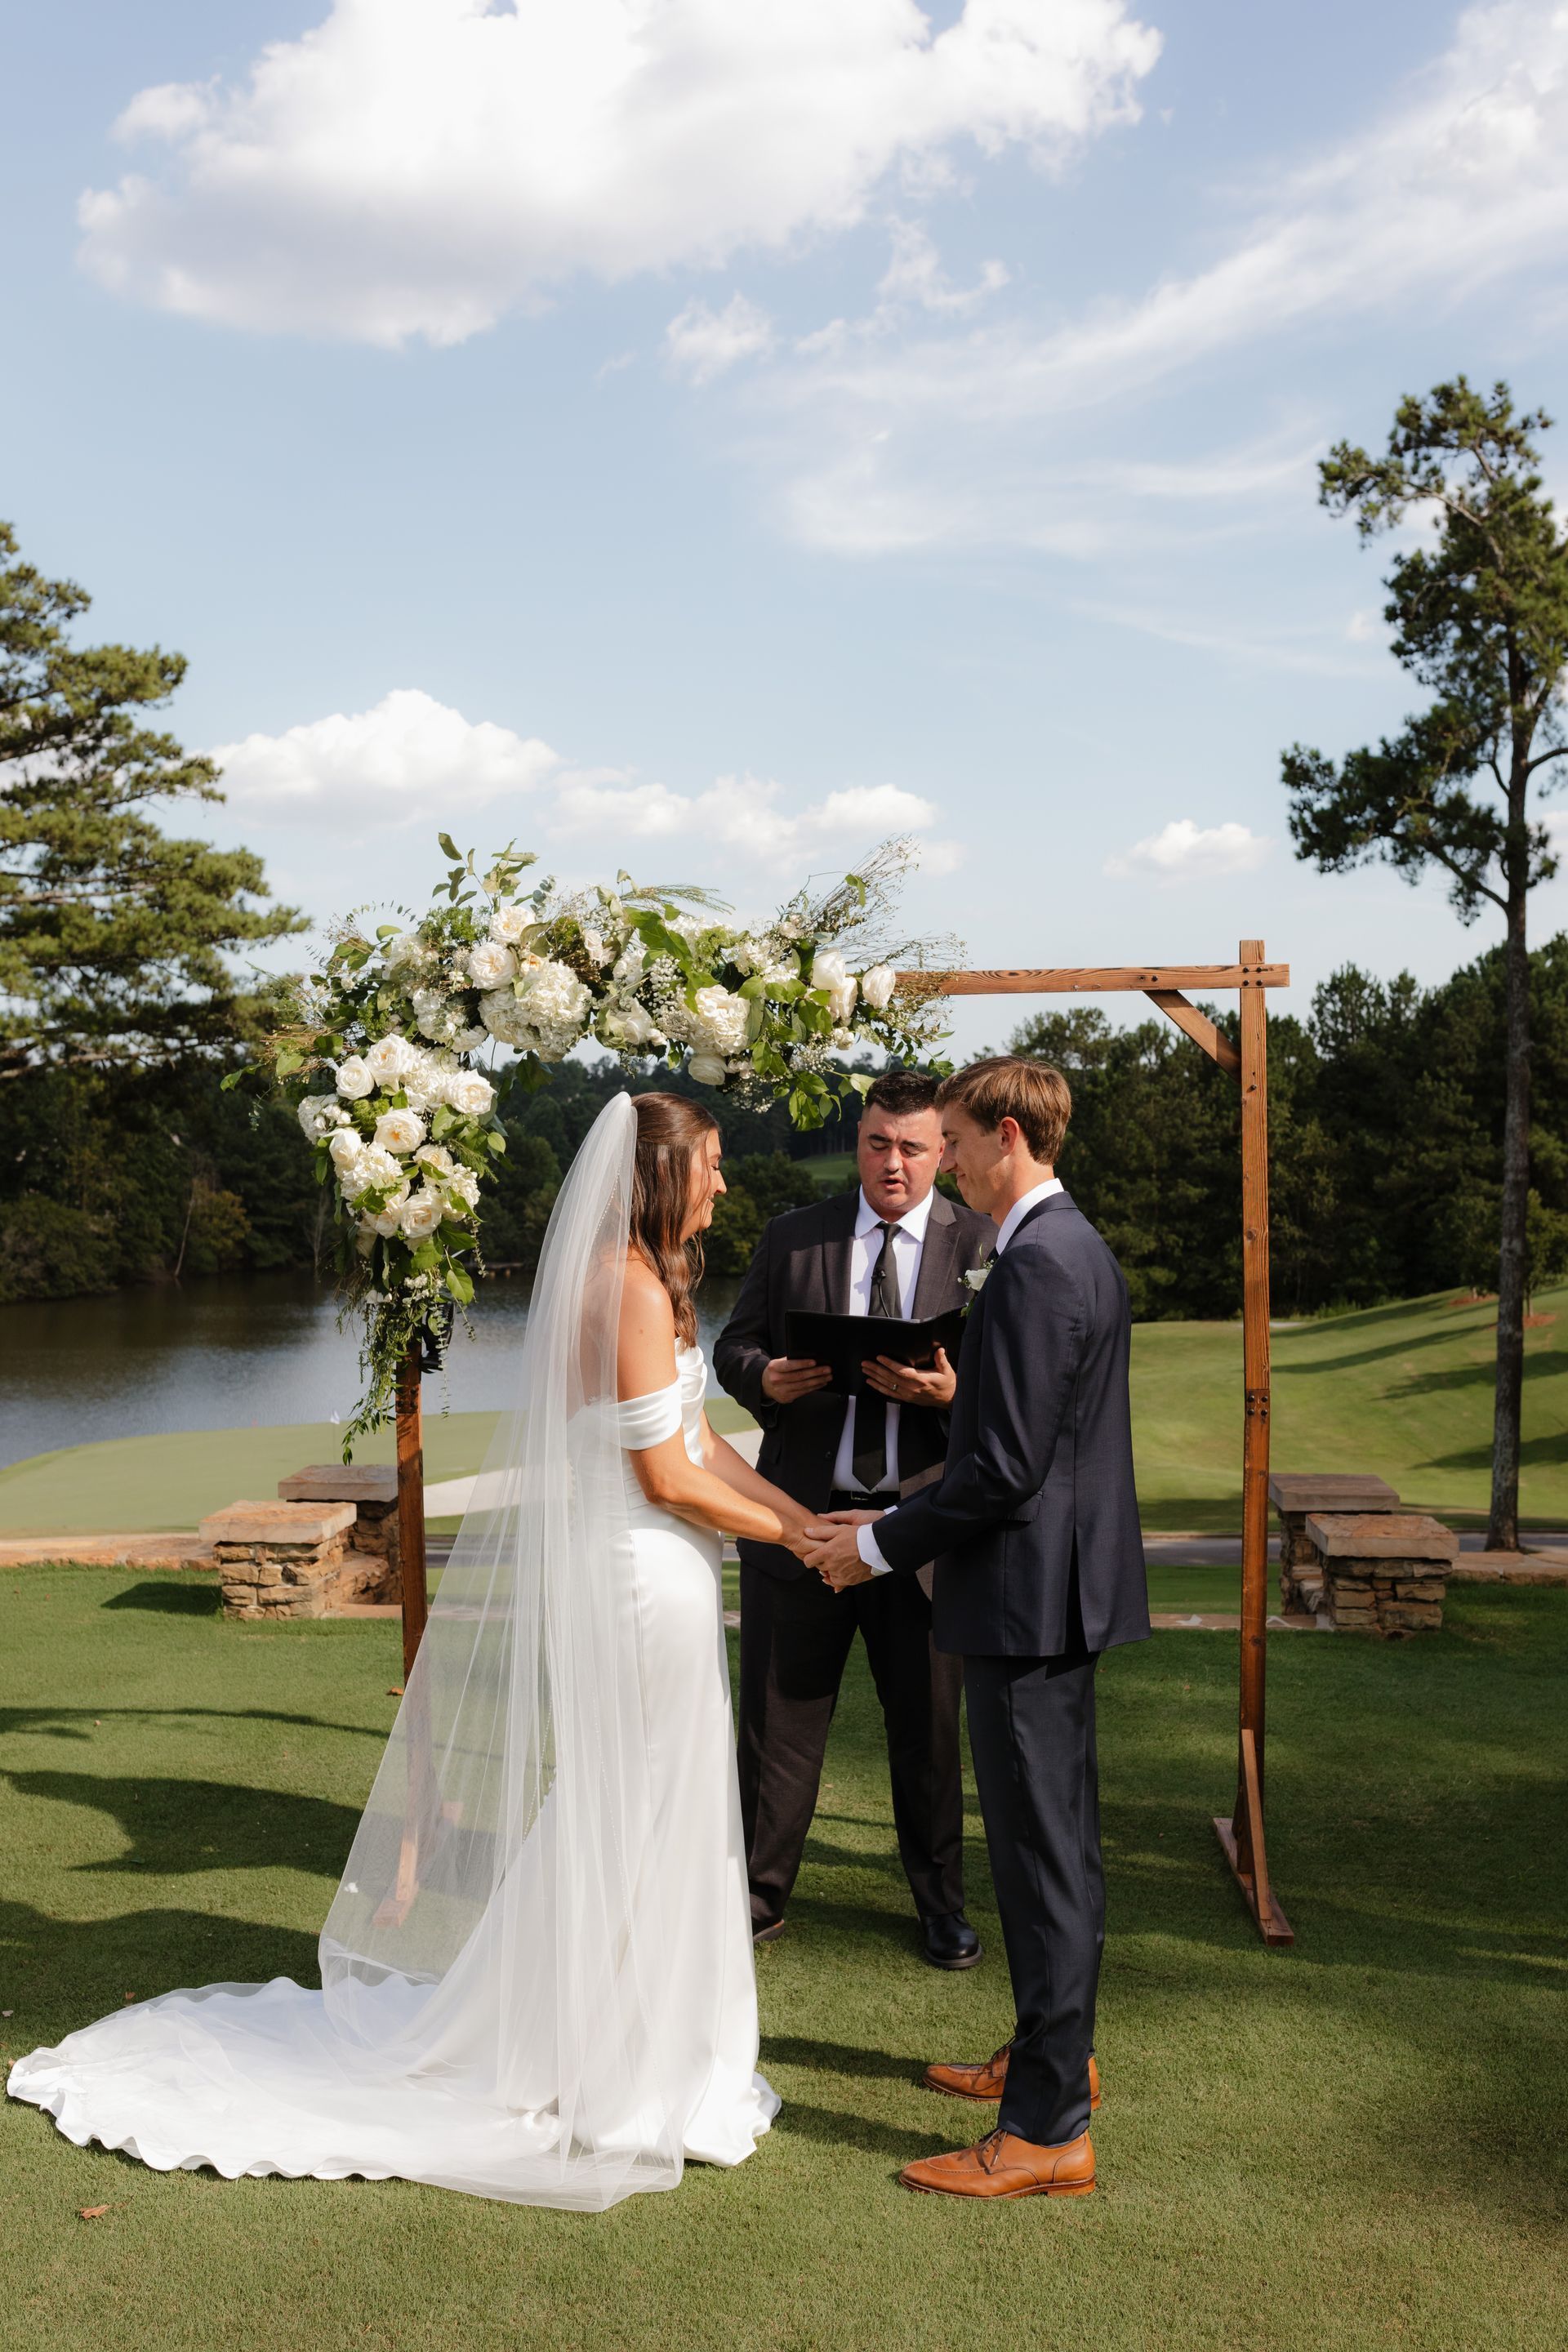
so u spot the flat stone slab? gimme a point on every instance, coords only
(1382, 1535)
(1327, 1490)
(278, 1523)
(340, 1482)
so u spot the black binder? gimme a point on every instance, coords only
(844, 1342)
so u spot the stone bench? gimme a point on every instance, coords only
(1377, 1571)
(373, 1491)
(1296, 1494)
(284, 1560)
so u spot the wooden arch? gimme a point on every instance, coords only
(1240, 1831)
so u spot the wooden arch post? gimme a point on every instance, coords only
(1240, 1831)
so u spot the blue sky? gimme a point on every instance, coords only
(704, 438)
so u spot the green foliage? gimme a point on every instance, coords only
(1479, 613)
(113, 938)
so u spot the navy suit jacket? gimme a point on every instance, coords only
(1038, 1495)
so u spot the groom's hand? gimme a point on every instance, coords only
(787, 1378)
(835, 1555)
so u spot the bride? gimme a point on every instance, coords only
(537, 1979)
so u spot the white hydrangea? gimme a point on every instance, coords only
(386, 1060)
(708, 1069)
(491, 964)
(557, 1004)
(469, 1041)
(830, 972)
(369, 1171)
(406, 950)
(876, 986)
(398, 1131)
(320, 1115)
(354, 1079)
(421, 1213)
(464, 1185)
(505, 1020)
(722, 1020)
(689, 927)
(748, 955)
(435, 1015)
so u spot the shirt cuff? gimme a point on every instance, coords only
(866, 1544)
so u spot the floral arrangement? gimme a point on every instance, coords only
(380, 1058)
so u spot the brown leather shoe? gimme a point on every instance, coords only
(1002, 2164)
(986, 2081)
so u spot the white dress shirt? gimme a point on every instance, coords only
(866, 1542)
(908, 1245)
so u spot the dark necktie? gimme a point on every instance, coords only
(871, 1457)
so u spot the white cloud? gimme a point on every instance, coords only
(410, 759)
(936, 439)
(1185, 852)
(419, 167)
(701, 343)
(744, 815)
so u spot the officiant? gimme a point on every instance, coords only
(896, 1248)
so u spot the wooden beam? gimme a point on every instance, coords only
(1245, 1831)
(411, 1506)
(1198, 1027)
(1247, 1860)
(1110, 979)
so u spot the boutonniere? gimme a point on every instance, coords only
(975, 1282)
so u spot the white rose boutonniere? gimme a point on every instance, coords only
(975, 1281)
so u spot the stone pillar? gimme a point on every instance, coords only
(1382, 1572)
(284, 1560)
(1295, 1494)
(372, 1489)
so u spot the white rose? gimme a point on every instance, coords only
(723, 1018)
(594, 947)
(319, 1114)
(386, 1061)
(491, 964)
(628, 966)
(388, 1220)
(407, 947)
(345, 1148)
(876, 986)
(398, 1131)
(707, 1069)
(421, 1213)
(437, 1156)
(508, 921)
(469, 1092)
(354, 1079)
(830, 972)
(629, 1025)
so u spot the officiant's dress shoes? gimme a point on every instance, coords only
(950, 1941)
(1002, 2164)
(988, 2080)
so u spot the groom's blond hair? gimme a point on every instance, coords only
(1007, 1086)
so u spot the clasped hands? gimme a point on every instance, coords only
(827, 1543)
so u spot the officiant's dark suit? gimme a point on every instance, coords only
(796, 1634)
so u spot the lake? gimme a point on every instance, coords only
(232, 1351)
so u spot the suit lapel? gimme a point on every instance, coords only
(938, 1260)
(837, 1248)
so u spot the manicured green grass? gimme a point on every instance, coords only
(832, 1171)
(1406, 1392)
(1356, 2144)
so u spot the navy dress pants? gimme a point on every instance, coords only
(1031, 1732)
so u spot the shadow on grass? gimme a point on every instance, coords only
(176, 1827)
(169, 1599)
(61, 1722)
(831, 2127)
(62, 1974)
(838, 2058)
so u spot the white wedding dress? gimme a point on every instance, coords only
(537, 1972)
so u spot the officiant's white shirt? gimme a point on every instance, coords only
(866, 1540)
(909, 1246)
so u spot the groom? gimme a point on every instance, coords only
(1039, 1567)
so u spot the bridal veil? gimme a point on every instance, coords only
(484, 2021)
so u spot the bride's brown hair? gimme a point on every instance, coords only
(670, 1132)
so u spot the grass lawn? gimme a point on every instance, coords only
(1406, 1392)
(1356, 2144)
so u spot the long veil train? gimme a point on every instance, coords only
(488, 1975)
